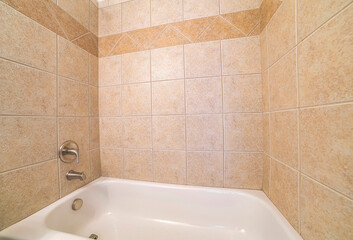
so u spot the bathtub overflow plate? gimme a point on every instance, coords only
(77, 204)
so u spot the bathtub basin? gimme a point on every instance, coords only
(133, 210)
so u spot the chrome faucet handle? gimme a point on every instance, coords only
(69, 152)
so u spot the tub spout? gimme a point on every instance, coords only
(75, 175)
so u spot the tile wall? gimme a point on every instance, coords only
(48, 94)
(308, 110)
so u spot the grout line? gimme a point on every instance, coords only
(28, 166)
(223, 112)
(29, 66)
(151, 99)
(185, 119)
(57, 113)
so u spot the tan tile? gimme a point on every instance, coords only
(202, 59)
(138, 165)
(73, 98)
(111, 132)
(267, 9)
(204, 132)
(168, 132)
(245, 21)
(228, 6)
(112, 162)
(125, 45)
(20, 138)
(75, 129)
(281, 34)
(168, 97)
(109, 20)
(73, 61)
(218, 30)
(169, 167)
(312, 14)
(284, 191)
(22, 40)
(266, 175)
(135, 14)
(242, 93)
(136, 67)
(93, 101)
(138, 132)
(265, 91)
(109, 71)
(243, 170)
(144, 37)
(169, 37)
(205, 169)
(263, 47)
(106, 44)
(38, 184)
(136, 99)
(167, 63)
(256, 31)
(94, 133)
(284, 137)
(266, 132)
(79, 9)
(166, 11)
(93, 23)
(88, 42)
(197, 9)
(283, 83)
(25, 90)
(193, 28)
(109, 101)
(325, 63)
(241, 56)
(203, 95)
(95, 164)
(93, 70)
(243, 132)
(326, 137)
(324, 213)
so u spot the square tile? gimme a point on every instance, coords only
(138, 132)
(229, 6)
(135, 15)
(136, 99)
(138, 165)
(110, 20)
(111, 132)
(169, 167)
(168, 132)
(166, 11)
(110, 70)
(112, 162)
(197, 9)
(110, 101)
(136, 67)
(168, 97)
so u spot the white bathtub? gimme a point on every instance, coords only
(133, 210)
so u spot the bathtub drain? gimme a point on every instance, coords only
(93, 236)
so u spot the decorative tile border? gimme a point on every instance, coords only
(225, 26)
(267, 9)
(51, 16)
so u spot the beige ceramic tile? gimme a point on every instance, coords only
(109, 71)
(312, 14)
(25, 41)
(166, 11)
(281, 34)
(125, 45)
(193, 28)
(325, 63)
(324, 213)
(95, 160)
(326, 137)
(73, 61)
(88, 42)
(138, 165)
(197, 9)
(267, 9)
(205, 169)
(168, 97)
(242, 93)
(202, 59)
(109, 101)
(243, 132)
(138, 132)
(93, 24)
(167, 63)
(109, 20)
(112, 162)
(145, 36)
(245, 21)
(73, 98)
(25, 90)
(283, 83)
(266, 132)
(111, 132)
(37, 184)
(228, 6)
(204, 132)
(169, 37)
(241, 56)
(168, 132)
(263, 47)
(243, 170)
(135, 15)
(93, 70)
(94, 133)
(75, 129)
(266, 175)
(79, 9)
(136, 99)
(284, 137)
(93, 101)
(169, 167)
(136, 67)
(203, 95)
(284, 191)
(20, 138)
(265, 91)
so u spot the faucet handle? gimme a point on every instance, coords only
(69, 152)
